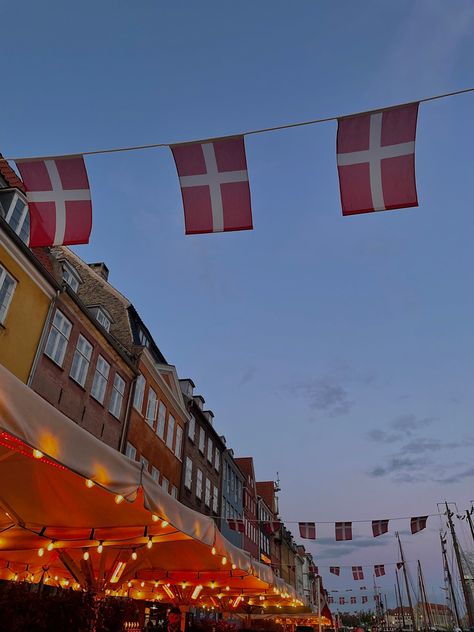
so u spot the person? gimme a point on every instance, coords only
(174, 620)
(149, 626)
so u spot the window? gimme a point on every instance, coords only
(58, 338)
(155, 474)
(145, 463)
(179, 441)
(151, 407)
(70, 276)
(199, 484)
(202, 439)
(143, 338)
(131, 451)
(170, 432)
(165, 485)
(81, 360)
(7, 287)
(101, 375)
(210, 450)
(139, 393)
(116, 399)
(17, 214)
(217, 460)
(188, 473)
(192, 428)
(215, 500)
(103, 319)
(207, 499)
(174, 491)
(160, 428)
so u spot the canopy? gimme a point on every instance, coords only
(78, 513)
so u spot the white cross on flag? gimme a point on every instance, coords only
(307, 530)
(376, 160)
(353, 599)
(59, 200)
(271, 527)
(214, 185)
(364, 599)
(379, 527)
(342, 601)
(335, 570)
(236, 525)
(379, 570)
(418, 524)
(357, 572)
(343, 531)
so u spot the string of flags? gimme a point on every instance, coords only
(342, 530)
(375, 157)
(352, 600)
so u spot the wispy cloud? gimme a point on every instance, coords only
(327, 548)
(457, 477)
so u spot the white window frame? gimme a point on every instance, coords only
(178, 443)
(174, 491)
(165, 484)
(103, 318)
(139, 394)
(202, 440)
(155, 474)
(192, 429)
(101, 377)
(59, 330)
(131, 451)
(207, 496)
(160, 426)
(199, 477)
(116, 398)
(215, 499)
(145, 463)
(151, 407)
(188, 473)
(170, 432)
(81, 360)
(70, 276)
(24, 215)
(210, 450)
(6, 276)
(217, 460)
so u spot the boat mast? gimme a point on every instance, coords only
(426, 607)
(447, 574)
(457, 552)
(400, 598)
(405, 575)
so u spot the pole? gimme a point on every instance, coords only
(426, 607)
(410, 603)
(318, 592)
(457, 552)
(469, 519)
(447, 574)
(400, 599)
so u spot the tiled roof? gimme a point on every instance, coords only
(10, 176)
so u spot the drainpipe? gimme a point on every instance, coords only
(39, 348)
(126, 421)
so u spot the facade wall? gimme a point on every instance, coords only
(232, 497)
(251, 534)
(21, 329)
(53, 381)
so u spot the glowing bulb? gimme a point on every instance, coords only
(118, 499)
(129, 584)
(213, 551)
(50, 546)
(156, 584)
(56, 578)
(89, 483)
(41, 552)
(234, 567)
(164, 524)
(100, 548)
(227, 588)
(224, 561)
(86, 555)
(15, 578)
(134, 555)
(38, 454)
(154, 518)
(149, 544)
(142, 584)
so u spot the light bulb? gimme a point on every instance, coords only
(134, 555)
(224, 561)
(41, 552)
(89, 483)
(142, 584)
(234, 567)
(38, 454)
(85, 556)
(100, 548)
(154, 517)
(118, 499)
(213, 550)
(227, 587)
(149, 544)
(129, 584)
(50, 546)
(164, 524)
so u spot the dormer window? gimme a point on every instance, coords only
(103, 318)
(14, 208)
(70, 276)
(143, 338)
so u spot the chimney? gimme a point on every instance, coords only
(101, 269)
(187, 386)
(209, 415)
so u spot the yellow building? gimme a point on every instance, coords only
(27, 290)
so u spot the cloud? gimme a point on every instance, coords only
(399, 428)
(248, 373)
(456, 478)
(420, 445)
(399, 465)
(325, 394)
(330, 549)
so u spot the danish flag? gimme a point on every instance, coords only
(236, 525)
(343, 531)
(379, 527)
(357, 572)
(342, 600)
(379, 570)
(314, 570)
(59, 200)
(330, 599)
(376, 160)
(353, 599)
(364, 599)
(214, 185)
(418, 524)
(271, 526)
(335, 570)
(307, 530)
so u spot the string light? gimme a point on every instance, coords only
(41, 552)
(149, 544)
(118, 499)
(154, 517)
(213, 550)
(227, 588)
(164, 524)
(38, 454)
(134, 555)
(224, 561)
(100, 548)
(50, 546)
(129, 584)
(142, 584)
(234, 567)
(89, 483)
(85, 555)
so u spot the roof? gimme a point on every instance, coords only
(245, 464)
(266, 489)
(10, 176)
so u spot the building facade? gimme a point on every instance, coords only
(201, 481)
(251, 533)
(270, 539)
(232, 496)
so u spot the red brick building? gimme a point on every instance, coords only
(270, 544)
(252, 533)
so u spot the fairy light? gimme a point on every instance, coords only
(134, 555)
(154, 517)
(234, 567)
(164, 524)
(41, 552)
(50, 546)
(129, 584)
(118, 499)
(149, 544)
(38, 454)
(85, 555)
(224, 561)
(100, 548)
(213, 550)
(227, 588)
(89, 483)
(142, 584)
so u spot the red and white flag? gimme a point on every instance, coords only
(59, 200)
(342, 600)
(330, 599)
(379, 527)
(418, 524)
(353, 599)
(236, 525)
(357, 572)
(335, 570)
(379, 570)
(343, 531)
(314, 570)
(214, 185)
(271, 527)
(376, 160)
(307, 530)
(364, 599)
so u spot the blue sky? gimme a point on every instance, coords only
(336, 351)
